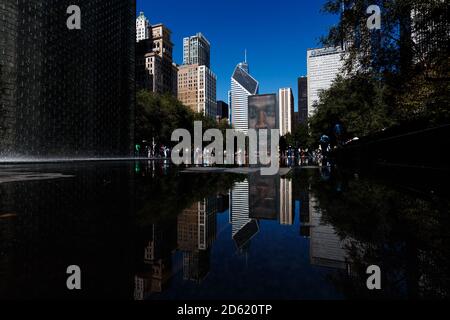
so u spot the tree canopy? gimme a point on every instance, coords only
(158, 116)
(397, 74)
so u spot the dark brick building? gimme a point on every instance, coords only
(67, 92)
(302, 116)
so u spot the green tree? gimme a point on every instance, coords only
(300, 137)
(356, 102)
(409, 55)
(158, 116)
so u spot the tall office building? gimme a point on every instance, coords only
(67, 93)
(142, 28)
(243, 85)
(155, 69)
(197, 89)
(222, 111)
(286, 112)
(324, 65)
(302, 101)
(197, 50)
(196, 82)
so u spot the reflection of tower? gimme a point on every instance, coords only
(264, 197)
(327, 249)
(157, 260)
(305, 228)
(196, 234)
(243, 228)
(239, 208)
(286, 212)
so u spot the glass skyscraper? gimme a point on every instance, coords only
(197, 50)
(243, 85)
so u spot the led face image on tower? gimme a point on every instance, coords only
(263, 112)
(67, 93)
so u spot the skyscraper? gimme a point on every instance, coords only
(67, 93)
(324, 65)
(142, 28)
(222, 110)
(197, 50)
(302, 101)
(286, 112)
(196, 81)
(243, 85)
(197, 89)
(155, 69)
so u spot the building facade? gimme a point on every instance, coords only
(196, 81)
(286, 112)
(142, 28)
(155, 69)
(302, 101)
(197, 89)
(222, 111)
(67, 93)
(324, 65)
(243, 85)
(197, 50)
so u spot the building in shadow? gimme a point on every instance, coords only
(67, 93)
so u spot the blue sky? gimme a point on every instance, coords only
(276, 35)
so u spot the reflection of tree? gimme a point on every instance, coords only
(165, 196)
(403, 233)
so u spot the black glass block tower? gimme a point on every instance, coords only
(67, 93)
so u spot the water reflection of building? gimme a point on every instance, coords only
(326, 247)
(286, 202)
(264, 197)
(197, 228)
(157, 260)
(154, 280)
(223, 202)
(243, 228)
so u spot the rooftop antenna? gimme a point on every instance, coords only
(245, 56)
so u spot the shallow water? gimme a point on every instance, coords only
(145, 230)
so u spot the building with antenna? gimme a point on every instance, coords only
(243, 85)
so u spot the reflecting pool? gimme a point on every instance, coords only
(148, 231)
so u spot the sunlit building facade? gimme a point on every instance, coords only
(243, 85)
(324, 65)
(286, 112)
